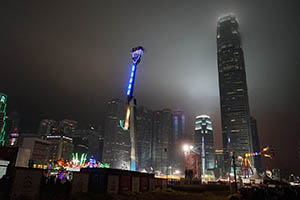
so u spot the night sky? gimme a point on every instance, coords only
(66, 59)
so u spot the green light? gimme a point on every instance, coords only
(83, 158)
(3, 112)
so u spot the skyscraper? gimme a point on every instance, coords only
(179, 124)
(116, 149)
(179, 138)
(256, 146)
(163, 147)
(235, 112)
(143, 123)
(204, 142)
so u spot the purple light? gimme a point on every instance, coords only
(14, 134)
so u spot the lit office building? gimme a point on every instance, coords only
(235, 114)
(179, 124)
(163, 146)
(143, 123)
(179, 138)
(116, 148)
(204, 142)
(61, 147)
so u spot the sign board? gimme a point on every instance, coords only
(26, 183)
(80, 183)
(112, 184)
(135, 184)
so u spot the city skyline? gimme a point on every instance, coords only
(52, 78)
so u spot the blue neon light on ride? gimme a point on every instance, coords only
(131, 81)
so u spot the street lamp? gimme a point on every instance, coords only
(187, 148)
(177, 172)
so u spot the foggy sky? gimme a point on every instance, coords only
(66, 59)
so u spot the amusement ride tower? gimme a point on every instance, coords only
(136, 54)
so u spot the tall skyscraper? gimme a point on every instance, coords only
(179, 124)
(256, 146)
(143, 123)
(163, 147)
(179, 138)
(204, 143)
(116, 148)
(3, 99)
(235, 112)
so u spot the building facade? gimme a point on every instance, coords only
(235, 114)
(116, 148)
(204, 143)
(87, 141)
(179, 124)
(144, 122)
(219, 163)
(163, 146)
(48, 127)
(179, 139)
(67, 127)
(61, 147)
(101, 142)
(39, 150)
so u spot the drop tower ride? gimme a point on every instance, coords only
(136, 54)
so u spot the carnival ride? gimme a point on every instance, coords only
(128, 123)
(246, 166)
